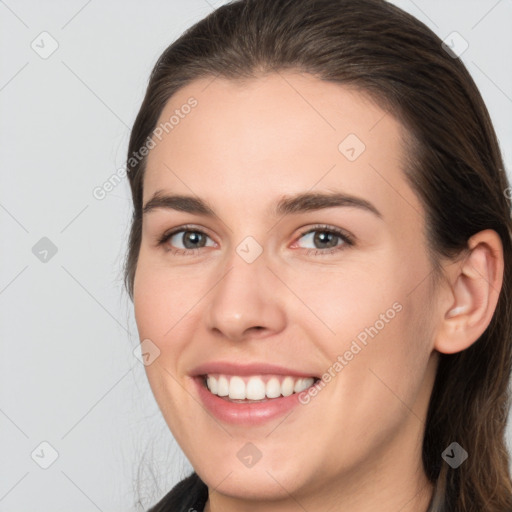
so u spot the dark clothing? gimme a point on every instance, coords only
(189, 495)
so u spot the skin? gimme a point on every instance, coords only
(357, 444)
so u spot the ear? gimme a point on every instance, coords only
(474, 288)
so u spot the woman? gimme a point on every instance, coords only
(321, 255)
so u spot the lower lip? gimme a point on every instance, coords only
(239, 413)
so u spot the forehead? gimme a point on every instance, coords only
(279, 133)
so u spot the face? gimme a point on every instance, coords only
(294, 262)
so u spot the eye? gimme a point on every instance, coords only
(325, 239)
(185, 239)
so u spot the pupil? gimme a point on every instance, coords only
(191, 236)
(324, 237)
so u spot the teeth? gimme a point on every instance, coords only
(287, 386)
(236, 388)
(222, 386)
(213, 385)
(256, 387)
(273, 388)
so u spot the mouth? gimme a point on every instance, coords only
(247, 389)
(251, 394)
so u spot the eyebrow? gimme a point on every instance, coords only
(288, 205)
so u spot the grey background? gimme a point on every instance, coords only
(68, 374)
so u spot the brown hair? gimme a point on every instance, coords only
(457, 172)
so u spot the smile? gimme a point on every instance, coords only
(255, 387)
(250, 394)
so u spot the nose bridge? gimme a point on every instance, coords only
(243, 298)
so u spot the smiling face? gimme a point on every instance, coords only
(299, 244)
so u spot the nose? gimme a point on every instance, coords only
(244, 303)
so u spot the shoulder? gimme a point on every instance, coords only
(188, 495)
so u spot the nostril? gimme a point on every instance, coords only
(256, 328)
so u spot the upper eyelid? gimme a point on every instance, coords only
(325, 227)
(163, 238)
(304, 231)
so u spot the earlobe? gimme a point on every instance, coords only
(475, 285)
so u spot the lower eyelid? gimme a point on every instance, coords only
(168, 237)
(345, 238)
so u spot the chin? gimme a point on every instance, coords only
(258, 484)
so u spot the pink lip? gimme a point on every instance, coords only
(227, 368)
(245, 414)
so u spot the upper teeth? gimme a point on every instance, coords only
(256, 387)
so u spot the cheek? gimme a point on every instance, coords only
(157, 310)
(337, 303)
(389, 373)
(377, 324)
(161, 306)
(161, 299)
(168, 306)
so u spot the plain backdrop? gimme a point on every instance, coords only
(79, 426)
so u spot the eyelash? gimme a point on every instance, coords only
(347, 239)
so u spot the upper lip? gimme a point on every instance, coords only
(228, 368)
